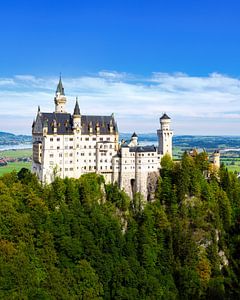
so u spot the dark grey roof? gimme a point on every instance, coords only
(134, 134)
(148, 148)
(64, 123)
(164, 117)
(62, 120)
(76, 109)
(103, 122)
(60, 88)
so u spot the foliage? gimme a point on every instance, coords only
(84, 239)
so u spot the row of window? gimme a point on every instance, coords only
(66, 139)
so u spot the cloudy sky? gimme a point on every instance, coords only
(137, 59)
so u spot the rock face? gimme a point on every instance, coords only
(152, 181)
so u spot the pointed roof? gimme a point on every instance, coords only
(60, 88)
(165, 117)
(134, 134)
(76, 109)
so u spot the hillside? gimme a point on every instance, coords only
(82, 239)
(12, 139)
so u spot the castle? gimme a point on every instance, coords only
(70, 145)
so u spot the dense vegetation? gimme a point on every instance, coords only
(82, 239)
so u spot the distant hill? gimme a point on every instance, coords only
(191, 141)
(7, 138)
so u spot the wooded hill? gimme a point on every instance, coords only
(82, 239)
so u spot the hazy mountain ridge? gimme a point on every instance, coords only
(7, 138)
(192, 141)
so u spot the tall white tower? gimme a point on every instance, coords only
(60, 98)
(165, 135)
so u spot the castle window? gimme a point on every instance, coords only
(85, 147)
(110, 146)
(86, 139)
(108, 139)
(71, 139)
(58, 139)
(51, 155)
(66, 169)
(139, 167)
(152, 154)
(71, 154)
(66, 147)
(60, 154)
(139, 161)
(71, 147)
(94, 139)
(58, 147)
(51, 163)
(77, 145)
(71, 169)
(89, 146)
(51, 139)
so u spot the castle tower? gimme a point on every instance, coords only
(134, 140)
(165, 135)
(60, 98)
(216, 159)
(76, 116)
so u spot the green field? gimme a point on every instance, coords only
(16, 153)
(15, 166)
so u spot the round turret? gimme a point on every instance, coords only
(134, 140)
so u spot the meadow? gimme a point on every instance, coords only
(17, 165)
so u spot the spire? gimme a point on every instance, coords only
(60, 88)
(76, 108)
(165, 117)
(134, 135)
(39, 109)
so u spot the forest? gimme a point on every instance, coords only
(84, 239)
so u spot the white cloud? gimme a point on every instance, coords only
(202, 105)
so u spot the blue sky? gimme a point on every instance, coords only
(137, 58)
